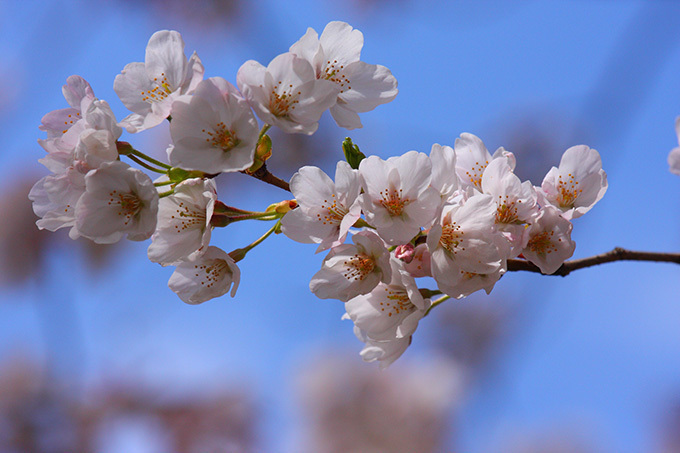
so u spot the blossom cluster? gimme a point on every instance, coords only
(214, 130)
(457, 215)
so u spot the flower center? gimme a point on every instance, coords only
(392, 201)
(474, 174)
(452, 237)
(542, 244)
(213, 271)
(186, 218)
(358, 267)
(158, 93)
(507, 211)
(333, 72)
(568, 191)
(396, 301)
(222, 138)
(331, 212)
(129, 204)
(281, 101)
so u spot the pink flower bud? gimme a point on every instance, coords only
(404, 252)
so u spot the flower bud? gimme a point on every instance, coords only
(262, 153)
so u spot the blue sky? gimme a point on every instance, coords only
(597, 351)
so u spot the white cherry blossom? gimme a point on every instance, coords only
(392, 310)
(286, 93)
(472, 157)
(398, 199)
(335, 57)
(550, 243)
(183, 227)
(326, 209)
(119, 200)
(516, 206)
(383, 351)
(205, 277)
(213, 130)
(465, 240)
(148, 89)
(79, 96)
(577, 184)
(353, 269)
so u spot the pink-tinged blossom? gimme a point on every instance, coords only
(119, 200)
(353, 269)
(398, 199)
(516, 206)
(84, 147)
(465, 240)
(326, 209)
(472, 157)
(674, 155)
(79, 96)
(392, 310)
(335, 57)
(206, 277)
(577, 184)
(419, 266)
(148, 89)
(550, 243)
(286, 93)
(213, 130)
(183, 228)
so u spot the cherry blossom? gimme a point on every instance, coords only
(397, 197)
(472, 157)
(286, 93)
(148, 89)
(335, 57)
(515, 201)
(353, 269)
(326, 209)
(213, 130)
(183, 230)
(79, 96)
(383, 351)
(465, 240)
(205, 277)
(119, 200)
(577, 184)
(391, 310)
(550, 243)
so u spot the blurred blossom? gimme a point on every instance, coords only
(21, 243)
(469, 330)
(356, 408)
(203, 14)
(37, 415)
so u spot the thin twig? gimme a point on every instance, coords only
(618, 254)
(264, 175)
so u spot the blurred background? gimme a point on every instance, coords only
(97, 354)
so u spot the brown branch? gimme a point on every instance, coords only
(618, 254)
(264, 175)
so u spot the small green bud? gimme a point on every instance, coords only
(263, 151)
(352, 154)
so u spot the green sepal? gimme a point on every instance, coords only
(352, 154)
